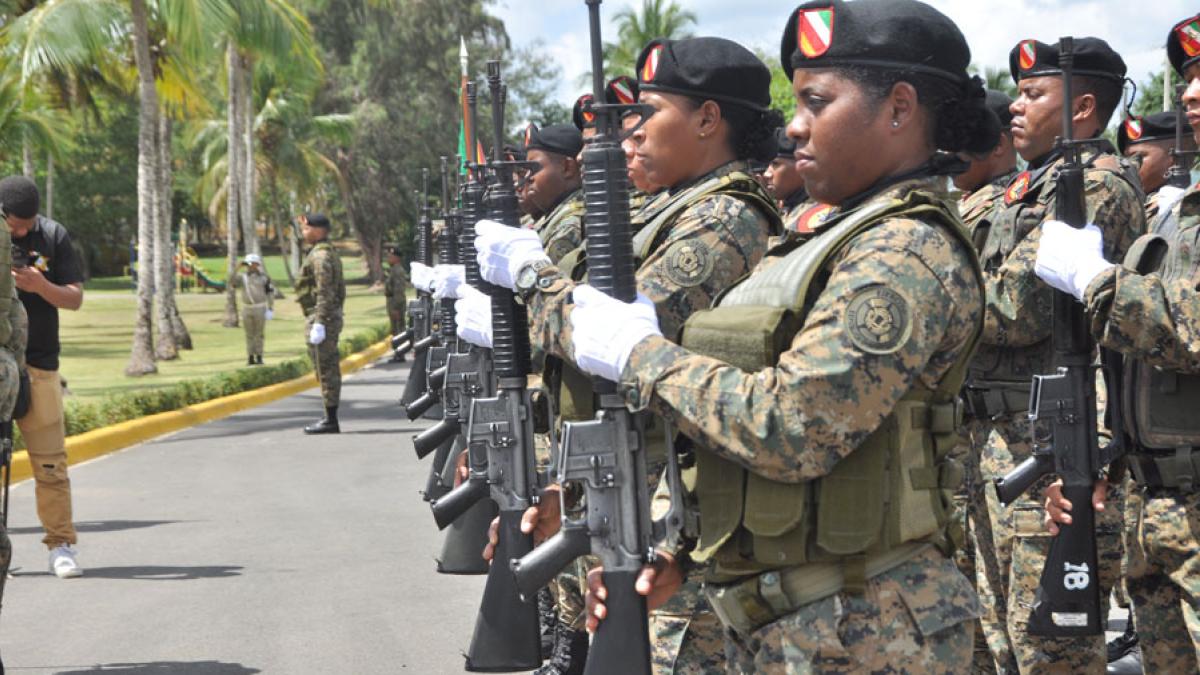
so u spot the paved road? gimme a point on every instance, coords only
(243, 546)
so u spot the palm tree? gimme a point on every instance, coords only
(141, 358)
(635, 28)
(276, 34)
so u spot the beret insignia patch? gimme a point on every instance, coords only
(1133, 129)
(814, 31)
(1028, 55)
(1189, 37)
(878, 320)
(689, 263)
(650, 68)
(1017, 189)
(623, 91)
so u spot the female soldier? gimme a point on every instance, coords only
(708, 229)
(820, 392)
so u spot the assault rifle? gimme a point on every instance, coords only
(506, 633)
(420, 310)
(1068, 597)
(605, 458)
(435, 348)
(1180, 175)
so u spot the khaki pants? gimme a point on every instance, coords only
(45, 437)
(254, 321)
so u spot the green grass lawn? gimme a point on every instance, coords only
(96, 339)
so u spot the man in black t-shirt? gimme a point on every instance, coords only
(48, 277)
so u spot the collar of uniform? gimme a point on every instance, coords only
(1004, 180)
(795, 199)
(565, 198)
(887, 186)
(723, 170)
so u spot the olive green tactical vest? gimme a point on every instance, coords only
(1160, 405)
(893, 489)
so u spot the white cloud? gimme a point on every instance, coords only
(992, 27)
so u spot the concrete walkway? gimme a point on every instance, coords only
(243, 546)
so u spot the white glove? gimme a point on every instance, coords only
(447, 279)
(607, 330)
(270, 315)
(422, 276)
(1168, 197)
(473, 317)
(502, 251)
(316, 334)
(1068, 258)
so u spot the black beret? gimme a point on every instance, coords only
(19, 196)
(1156, 127)
(891, 34)
(708, 68)
(517, 154)
(317, 220)
(560, 139)
(1183, 44)
(1093, 58)
(998, 102)
(784, 146)
(580, 115)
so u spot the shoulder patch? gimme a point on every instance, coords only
(878, 320)
(689, 263)
(1017, 189)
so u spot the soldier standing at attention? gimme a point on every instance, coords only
(321, 291)
(710, 228)
(819, 394)
(553, 187)
(1016, 341)
(1148, 309)
(258, 305)
(395, 289)
(1148, 142)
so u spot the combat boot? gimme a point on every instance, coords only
(1124, 657)
(250, 360)
(570, 652)
(325, 426)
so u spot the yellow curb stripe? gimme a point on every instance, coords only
(104, 440)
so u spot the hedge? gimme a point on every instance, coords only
(82, 416)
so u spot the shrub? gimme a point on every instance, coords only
(87, 416)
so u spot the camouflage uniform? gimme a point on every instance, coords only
(320, 290)
(1016, 346)
(974, 208)
(795, 422)
(394, 289)
(561, 230)
(730, 236)
(1155, 319)
(258, 296)
(13, 332)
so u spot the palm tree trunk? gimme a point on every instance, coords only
(233, 190)
(49, 186)
(283, 218)
(248, 170)
(166, 346)
(27, 166)
(141, 358)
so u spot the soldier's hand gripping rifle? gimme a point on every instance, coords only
(420, 312)
(1180, 174)
(1068, 598)
(506, 633)
(606, 456)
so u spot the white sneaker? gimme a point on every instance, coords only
(62, 563)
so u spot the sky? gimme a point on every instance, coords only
(1137, 30)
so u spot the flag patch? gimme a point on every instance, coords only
(814, 31)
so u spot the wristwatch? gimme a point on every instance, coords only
(527, 276)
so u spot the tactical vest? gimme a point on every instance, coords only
(893, 489)
(1008, 371)
(1160, 406)
(571, 206)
